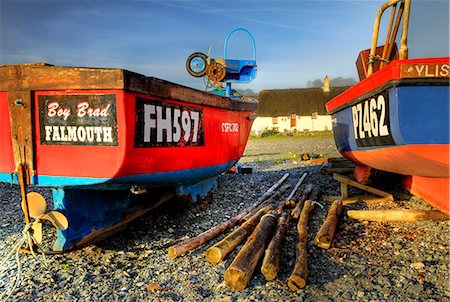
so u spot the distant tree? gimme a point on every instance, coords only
(334, 82)
(246, 92)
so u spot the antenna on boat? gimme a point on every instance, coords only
(224, 70)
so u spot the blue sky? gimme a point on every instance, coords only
(297, 41)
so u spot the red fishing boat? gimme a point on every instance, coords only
(98, 136)
(396, 118)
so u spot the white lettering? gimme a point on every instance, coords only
(186, 124)
(369, 118)
(149, 122)
(48, 133)
(163, 124)
(53, 110)
(72, 133)
(80, 133)
(176, 125)
(107, 134)
(355, 121)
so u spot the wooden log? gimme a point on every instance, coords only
(241, 269)
(221, 249)
(298, 207)
(397, 215)
(268, 202)
(192, 243)
(297, 280)
(326, 233)
(271, 263)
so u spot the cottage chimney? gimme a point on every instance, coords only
(326, 84)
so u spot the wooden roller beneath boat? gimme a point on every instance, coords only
(397, 215)
(326, 233)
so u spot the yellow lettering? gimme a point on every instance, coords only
(419, 69)
(444, 70)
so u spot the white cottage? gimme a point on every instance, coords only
(298, 109)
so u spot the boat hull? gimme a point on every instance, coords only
(98, 137)
(394, 122)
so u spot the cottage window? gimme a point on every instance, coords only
(275, 120)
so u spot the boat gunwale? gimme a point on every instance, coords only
(387, 77)
(45, 77)
(388, 85)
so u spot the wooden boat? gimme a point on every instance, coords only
(96, 136)
(396, 118)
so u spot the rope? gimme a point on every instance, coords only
(26, 237)
(376, 58)
(268, 215)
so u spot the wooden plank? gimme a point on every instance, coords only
(356, 198)
(21, 118)
(46, 77)
(397, 215)
(38, 77)
(348, 181)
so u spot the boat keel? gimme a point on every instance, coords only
(94, 215)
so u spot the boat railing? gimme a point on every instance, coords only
(393, 27)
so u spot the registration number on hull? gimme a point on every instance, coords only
(163, 124)
(371, 124)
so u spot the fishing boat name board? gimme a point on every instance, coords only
(427, 70)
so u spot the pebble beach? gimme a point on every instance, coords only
(368, 261)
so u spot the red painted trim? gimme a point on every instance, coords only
(6, 148)
(386, 74)
(423, 160)
(433, 190)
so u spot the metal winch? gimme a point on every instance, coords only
(224, 70)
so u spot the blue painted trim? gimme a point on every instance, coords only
(173, 178)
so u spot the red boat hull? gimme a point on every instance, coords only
(100, 138)
(397, 120)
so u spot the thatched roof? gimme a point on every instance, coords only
(301, 101)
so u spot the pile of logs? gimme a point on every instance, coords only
(263, 227)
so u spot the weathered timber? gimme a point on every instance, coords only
(326, 233)
(221, 249)
(241, 269)
(355, 198)
(345, 180)
(192, 243)
(291, 195)
(271, 201)
(397, 215)
(271, 263)
(298, 207)
(297, 280)
(289, 203)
